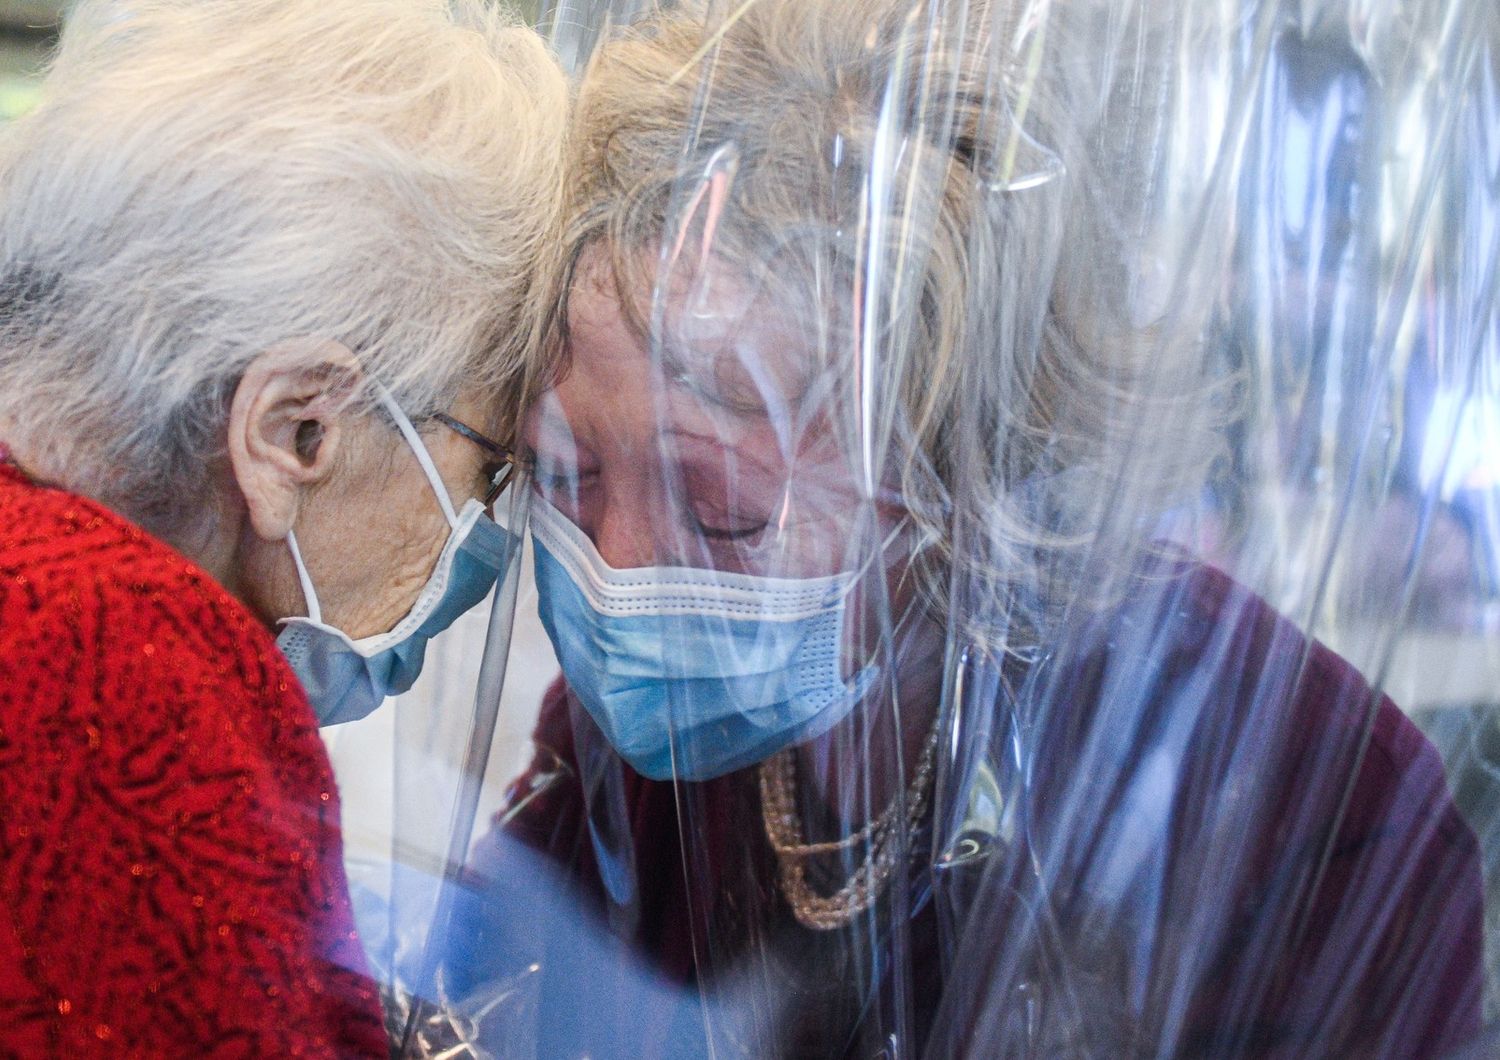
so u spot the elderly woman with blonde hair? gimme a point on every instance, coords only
(267, 270)
(886, 728)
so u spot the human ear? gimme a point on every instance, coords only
(286, 430)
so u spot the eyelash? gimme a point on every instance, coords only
(549, 484)
(718, 534)
(568, 483)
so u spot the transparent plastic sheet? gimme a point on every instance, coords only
(411, 777)
(1019, 518)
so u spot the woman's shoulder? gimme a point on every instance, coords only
(159, 749)
(1193, 649)
(1354, 825)
(1266, 659)
(1197, 681)
(100, 618)
(52, 541)
(68, 562)
(1236, 807)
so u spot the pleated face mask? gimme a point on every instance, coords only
(346, 679)
(693, 673)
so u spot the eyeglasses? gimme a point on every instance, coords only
(501, 476)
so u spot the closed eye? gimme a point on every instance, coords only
(718, 533)
(714, 509)
(553, 482)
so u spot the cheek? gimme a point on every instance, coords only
(396, 550)
(411, 564)
(417, 532)
(824, 524)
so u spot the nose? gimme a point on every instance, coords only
(623, 534)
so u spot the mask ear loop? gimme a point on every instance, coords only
(424, 458)
(314, 612)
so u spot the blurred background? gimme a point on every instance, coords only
(27, 29)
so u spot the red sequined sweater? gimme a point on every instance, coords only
(170, 859)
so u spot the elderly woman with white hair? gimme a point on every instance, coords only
(266, 277)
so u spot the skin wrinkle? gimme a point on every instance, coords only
(402, 514)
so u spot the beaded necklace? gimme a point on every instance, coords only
(784, 829)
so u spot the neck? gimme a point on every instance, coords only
(211, 536)
(211, 545)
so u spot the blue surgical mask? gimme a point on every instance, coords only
(346, 679)
(693, 673)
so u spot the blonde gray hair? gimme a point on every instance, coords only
(1032, 415)
(204, 180)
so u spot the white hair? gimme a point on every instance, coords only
(204, 180)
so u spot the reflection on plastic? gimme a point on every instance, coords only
(1143, 361)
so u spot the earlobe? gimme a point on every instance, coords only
(286, 430)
